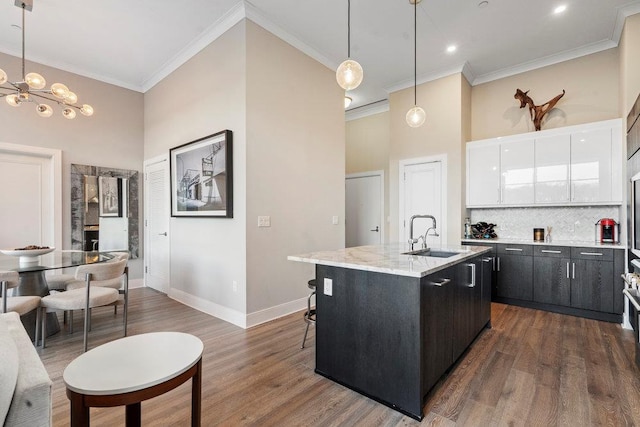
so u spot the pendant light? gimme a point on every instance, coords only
(416, 115)
(349, 74)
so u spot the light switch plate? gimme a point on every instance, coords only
(328, 287)
(264, 221)
(334, 220)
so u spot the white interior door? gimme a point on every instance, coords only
(27, 207)
(364, 209)
(156, 252)
(421, 193)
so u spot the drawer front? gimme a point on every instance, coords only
(594, 254)
(552, 251)
(504, 249)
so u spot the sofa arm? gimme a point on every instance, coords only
(31, 403)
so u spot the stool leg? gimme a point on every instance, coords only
(306, 330)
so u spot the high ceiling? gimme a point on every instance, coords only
(134, 44)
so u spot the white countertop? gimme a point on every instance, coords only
(133, 363)
(571, 243)
(390, 258)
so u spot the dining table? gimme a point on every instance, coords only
(33, 281)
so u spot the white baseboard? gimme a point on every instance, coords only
(136, 283)
(271, 313)
(211, 308)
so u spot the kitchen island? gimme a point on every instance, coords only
(391, 321)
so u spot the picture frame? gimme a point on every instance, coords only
(109, 196)
(202, 177)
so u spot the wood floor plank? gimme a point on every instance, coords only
(531, 368)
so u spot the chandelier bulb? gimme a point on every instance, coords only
(416, 117)
(59, 90)
(86, 110)
(12, 100)
(69, 113)
(71, 98)
(35, 81)
(347, 101)
(44, 110)
(3, 77)
(349, 74)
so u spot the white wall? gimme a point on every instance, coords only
(112, 137)
(205, 95)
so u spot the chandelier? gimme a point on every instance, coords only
(31, 89)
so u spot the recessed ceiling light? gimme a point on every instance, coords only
(560, 9)
(451, 48)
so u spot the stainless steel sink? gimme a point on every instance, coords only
(432, 253)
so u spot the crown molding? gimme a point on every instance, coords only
(544, 62)
(623, 13)
(367, 110)
(425, 78)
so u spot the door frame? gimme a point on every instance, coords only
(402, 164)
(379, 173)
(147, 163)
(55, 161)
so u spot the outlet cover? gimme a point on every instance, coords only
(334, 220)
(264, 221)
(328, 287)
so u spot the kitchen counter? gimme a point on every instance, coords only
(390, 258)
(570, 243)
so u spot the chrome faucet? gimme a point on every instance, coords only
(413, 240)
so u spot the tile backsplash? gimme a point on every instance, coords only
(568, 223)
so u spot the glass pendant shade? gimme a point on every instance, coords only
(71, 98)
(12, 100)
(347, 101)
(86, 110)
(416, 117)
(349, 74)
(3, 77)
(69, 113)
(35, 81)
(44, 110)
(59, 90)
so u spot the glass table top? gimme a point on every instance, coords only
(54, 260)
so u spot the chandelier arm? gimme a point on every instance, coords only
(57, 101)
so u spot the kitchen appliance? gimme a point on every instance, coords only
(607, 231)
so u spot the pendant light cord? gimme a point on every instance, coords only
(23, 73)
(348, 28)
(415, 52)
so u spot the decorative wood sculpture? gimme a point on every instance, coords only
(537, 111)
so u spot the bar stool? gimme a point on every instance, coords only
(309, 315)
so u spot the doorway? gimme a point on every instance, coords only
(423, 192)
(156, 208)
(364, 218)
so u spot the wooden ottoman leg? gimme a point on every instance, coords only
(133, 415)
(79, 412)
(196, 395)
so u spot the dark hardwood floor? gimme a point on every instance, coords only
(533, 368)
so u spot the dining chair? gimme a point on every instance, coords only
(87, 297)
(20, 304)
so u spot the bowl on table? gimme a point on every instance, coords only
(28, 256)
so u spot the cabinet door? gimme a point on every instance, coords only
(552, 161)
(466, 305)
(591, 166)
(552, 283)
(486, 284)
(592, 285)
(483, 175)
(516, 168)
(437, 324)
(515, 277)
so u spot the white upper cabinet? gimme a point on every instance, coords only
(516, 170)
(483, 164)
(553, 162)
(575, 165)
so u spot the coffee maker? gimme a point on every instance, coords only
(607, 231)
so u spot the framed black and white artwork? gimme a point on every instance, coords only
(202, 177)
(109, 196)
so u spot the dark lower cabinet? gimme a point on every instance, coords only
(486, 283)
(515, 272)
(466, 310)
(591, 288)
(551, 272)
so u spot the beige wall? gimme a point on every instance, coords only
(629, 64)
(112, 137)
(367, 149)
(205, 95)
(441, 134)
(592, 94)
(295, 167)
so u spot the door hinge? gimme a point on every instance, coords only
(146, 269)
(145, 222)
